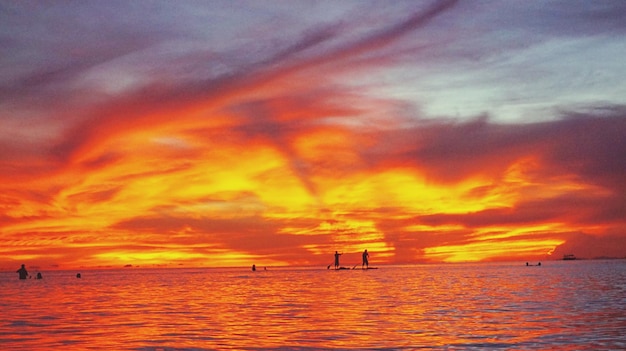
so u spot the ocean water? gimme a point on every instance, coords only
(561, 305)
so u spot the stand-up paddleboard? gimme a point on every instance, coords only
(351, 269)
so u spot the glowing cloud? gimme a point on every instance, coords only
(204, 135)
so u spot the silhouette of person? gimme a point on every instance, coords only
(365, 261)
(39, 276)
(337, 254)
(22, 272)
(539, 264)
(254, 268)
(78, 275)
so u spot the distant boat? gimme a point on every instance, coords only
(569, 257)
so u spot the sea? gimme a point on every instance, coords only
(560, 305)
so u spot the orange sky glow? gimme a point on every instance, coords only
(142, 152)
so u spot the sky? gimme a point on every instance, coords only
(232, 133)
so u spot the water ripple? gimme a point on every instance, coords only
(562, 305)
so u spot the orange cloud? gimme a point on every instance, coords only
(292, 155)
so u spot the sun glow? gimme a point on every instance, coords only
(488, 250)
(224, 147)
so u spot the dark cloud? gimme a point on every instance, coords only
(589, 146)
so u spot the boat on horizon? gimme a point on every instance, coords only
(569, 257)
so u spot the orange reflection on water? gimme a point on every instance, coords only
(432, 306)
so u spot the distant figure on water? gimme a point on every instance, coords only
(22, 272)
(365, 261)
(39, 276)
(254, 268)
(78, 275)
(337, 254)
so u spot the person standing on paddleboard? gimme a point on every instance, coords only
(365, 261)
(337, 254)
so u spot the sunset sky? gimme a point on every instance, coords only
(232, 133)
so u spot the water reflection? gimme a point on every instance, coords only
(563, 305)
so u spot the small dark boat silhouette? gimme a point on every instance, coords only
(569, 257)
